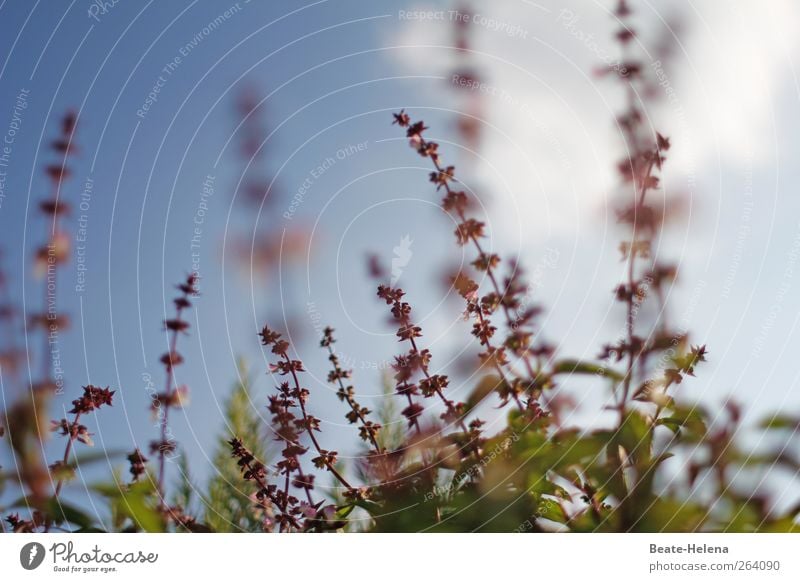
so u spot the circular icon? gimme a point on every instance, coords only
(31, 555)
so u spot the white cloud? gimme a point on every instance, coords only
(550, 146)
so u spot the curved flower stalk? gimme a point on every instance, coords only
(506, 298)
(646, 275)
(289, 428)
(308, 424)
(172, 396)
(92, 399)
(368, 430)
(417, 361)
(54, 253)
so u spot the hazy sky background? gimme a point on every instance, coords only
(332, 72)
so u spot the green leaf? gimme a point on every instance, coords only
(185, 489)
(344, 511)
(635, 437)
(780, 421)
(671, 423)
(572, 449)
(228, 507)
(18, 502)
(673, 515)
(691, 418)
(61, 510)
(783, 525)
(540, 485)
(485, 386)
(584, 367)
(549, 509)
(142, 513)
(137, 502)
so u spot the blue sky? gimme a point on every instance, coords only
(332, 72)
(331, 87)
